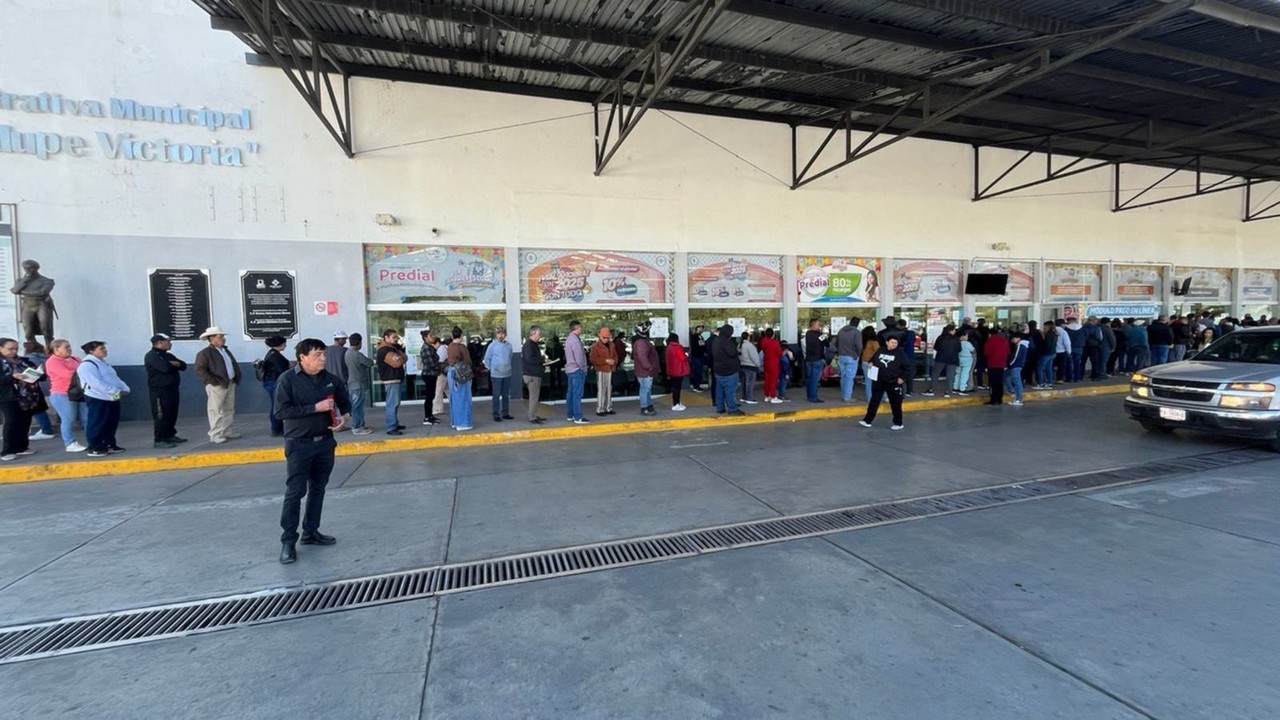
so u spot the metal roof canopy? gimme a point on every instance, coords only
(1186, 85)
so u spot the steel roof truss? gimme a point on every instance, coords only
(657, 67)
(310, 76)
(1023, 67)
(1266, 206)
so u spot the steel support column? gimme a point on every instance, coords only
(310, 76)
(1018, 69)
(656, 66)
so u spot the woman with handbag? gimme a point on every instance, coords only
(103, 390)
(66, 397)
(20, 400)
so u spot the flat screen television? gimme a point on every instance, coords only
(986, 283)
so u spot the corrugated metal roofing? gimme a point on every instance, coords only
(791, 60)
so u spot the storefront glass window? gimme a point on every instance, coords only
(477, 326)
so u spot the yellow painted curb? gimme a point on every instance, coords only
(134, 465)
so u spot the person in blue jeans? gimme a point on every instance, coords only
(1017, 361)
(459, 388)
(725, 365)
(390, 360)
(575, 372)
(815, 354)
(497, 357)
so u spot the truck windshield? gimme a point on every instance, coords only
(1244, 347)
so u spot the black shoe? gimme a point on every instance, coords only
(397, 431)
(318, 538)
(400, 427)
(507, 417)
(431, 421)
(115, 449)
(176, 439)
(537, 421)
(497, 418)
(610, 412)
(737, 412)
(165, 444)
(601, 414)
(288, 553)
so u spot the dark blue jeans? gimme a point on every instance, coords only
(813, 375)
(726, 393)
(277, 425)
(501, 395)
(1077, 364)
(104, 419)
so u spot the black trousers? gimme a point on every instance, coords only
(104, 420)
(164, 412)
(17, 427)
(997, 385)
(674, 384)
(429, 394)
(308, 463)
(878, 391)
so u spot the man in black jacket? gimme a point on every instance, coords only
(532, 362)
(815, 358)
(696, 355)
(163, 377)
(725, 365)
(888, 372)
(314, 404)
(946, 360)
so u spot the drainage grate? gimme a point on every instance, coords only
(114, 629)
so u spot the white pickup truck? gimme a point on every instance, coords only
(1228, 388)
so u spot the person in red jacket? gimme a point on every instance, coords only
(996, 352)
(771, 353)
(677, 370)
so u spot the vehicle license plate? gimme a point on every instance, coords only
(1173, 414)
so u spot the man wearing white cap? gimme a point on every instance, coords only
(217, 369)
(335, 356)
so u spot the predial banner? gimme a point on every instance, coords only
(569, 277)
(1022, 280)
(717, 279)
(1138, 282)
(1073, 281)
(926, 281)
(838, 280)
(399, 274)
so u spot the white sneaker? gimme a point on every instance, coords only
(76, 447)
(895, 427)
(362, 431)
(41, 436)
(864, 423)
(9, 457)
(750, 402)
(678, 408)
(1016, 403)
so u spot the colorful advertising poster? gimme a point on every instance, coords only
(1138, 282)
(1260, 286)
(717, 279)
(1022, 279)
(839, 280)
(398, 274)
(1072, 281)
(926, 281)
(560, 277)
(1208, 284)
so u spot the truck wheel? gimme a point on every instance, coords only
(1155, 427)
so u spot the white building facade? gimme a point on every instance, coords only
(134, 139)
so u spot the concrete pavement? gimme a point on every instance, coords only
(1149, 601)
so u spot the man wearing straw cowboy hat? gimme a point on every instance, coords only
(216, 367)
